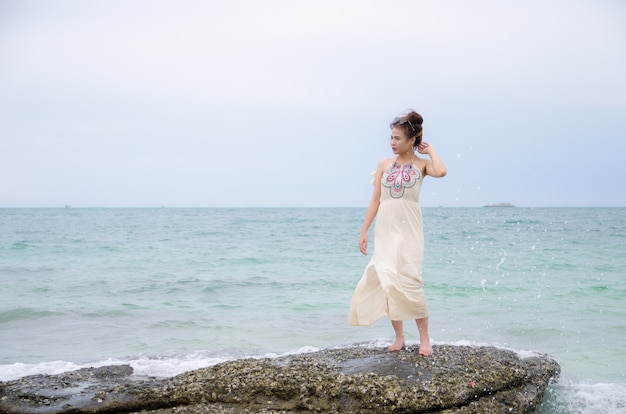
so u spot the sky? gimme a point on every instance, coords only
(282, 103)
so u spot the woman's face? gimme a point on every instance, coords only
(399, 141)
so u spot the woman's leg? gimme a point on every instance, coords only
(398, 327)
(422, 327)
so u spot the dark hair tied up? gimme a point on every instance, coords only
(411, 123)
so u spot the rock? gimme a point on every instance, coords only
(456, 379)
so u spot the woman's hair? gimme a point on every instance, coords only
(411, 123)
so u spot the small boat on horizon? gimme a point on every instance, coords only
(499, 205)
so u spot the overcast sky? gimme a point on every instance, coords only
(288, 103)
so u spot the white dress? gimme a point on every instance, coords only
(392, 282)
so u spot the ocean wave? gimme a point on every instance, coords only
(583, 398)
(167, 364)
(23, 314)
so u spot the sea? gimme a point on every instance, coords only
(168, 290)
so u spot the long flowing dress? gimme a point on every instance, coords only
(392, 282)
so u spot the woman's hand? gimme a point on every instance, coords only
(363, 243)
(424, 148)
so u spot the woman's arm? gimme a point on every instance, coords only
(372, 209)
(435, 167)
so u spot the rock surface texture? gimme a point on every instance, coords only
(456, 379)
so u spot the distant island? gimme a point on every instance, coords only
(499, 205)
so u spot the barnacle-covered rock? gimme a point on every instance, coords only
(455, 379)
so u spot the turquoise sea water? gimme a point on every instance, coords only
(170, 290)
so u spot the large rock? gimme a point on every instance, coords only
(456, 379)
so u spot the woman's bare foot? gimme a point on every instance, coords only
(425, 349)
(398, 345)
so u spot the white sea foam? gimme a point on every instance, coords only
(167, 364)
(522, 353)
(159, 366)
(583, 398)
(19, 370)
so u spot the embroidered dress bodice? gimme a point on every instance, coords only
(401, 181)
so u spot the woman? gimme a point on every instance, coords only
(392, 282)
